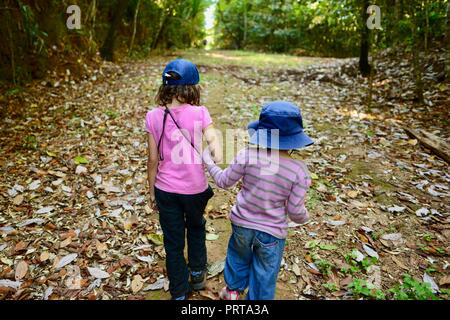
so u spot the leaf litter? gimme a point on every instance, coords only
(371, 175)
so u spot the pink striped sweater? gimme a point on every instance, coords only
(273, 188)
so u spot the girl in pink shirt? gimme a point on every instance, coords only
(176, 175)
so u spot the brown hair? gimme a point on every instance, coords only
(184, 93)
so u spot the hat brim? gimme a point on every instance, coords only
(261, 138)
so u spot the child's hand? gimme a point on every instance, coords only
(207, 157)
(152, 202)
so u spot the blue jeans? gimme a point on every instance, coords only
(253, 261)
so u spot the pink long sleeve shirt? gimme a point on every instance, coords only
(273, 189)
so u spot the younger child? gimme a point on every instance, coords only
(274, 187)
(176, 178)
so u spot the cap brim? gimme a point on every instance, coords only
(297, 141)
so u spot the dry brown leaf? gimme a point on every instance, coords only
(101, 246)
(21, 246)
(208, 294)
(130, 222)
(137, 283)
(44, 256)
(65, 243)
(399, 263)
(18, 200)
(353, 194)
(21, 270)
(444, 281)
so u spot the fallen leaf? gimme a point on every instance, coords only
(296, 269)
(137, 283)
(10, 284)
(18, 200)
(148, 259)
(21, 270)
(208, 294)
(101, 246)
(30, 221)
(80, 170)
(157, 285)
(34, 185)
(357, 255)
(431, 282)
(66, 260)
(353, 194)
(156, 238)
(44, 256)
(422, 212)
(444, 281)
(80, 160)
(392, 236)
(371, 252)
(212, 236)
(20, 246)
(396, 209)
(327, 247)
(48, 292)
(45, 210)
(336, 223)
(65, 243)
(216, 268)
(98, 273)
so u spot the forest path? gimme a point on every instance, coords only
(74, 159)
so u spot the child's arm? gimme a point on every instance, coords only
(296, 202)
(228, 177)
(213, 143)
(152, 165)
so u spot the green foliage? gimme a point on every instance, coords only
(356, 266)
(112, 114)
(324, 266)
(30, 142)
(325, 27)
(360, 288)
(35, 32)
(330, 287)
(412, 289)
(80, 160)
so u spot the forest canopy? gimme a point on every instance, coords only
(35, 32)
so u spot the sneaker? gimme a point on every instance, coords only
(227, 294)
(198, 280)
(180, 298)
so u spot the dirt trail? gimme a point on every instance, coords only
(370, 180)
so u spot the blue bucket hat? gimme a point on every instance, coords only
(287, 118)
(180, 72)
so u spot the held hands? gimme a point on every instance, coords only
(207, 157)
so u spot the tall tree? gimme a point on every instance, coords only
(447, 42)
(416, 53)
(364, 66)
(133, 36)
(107, 50)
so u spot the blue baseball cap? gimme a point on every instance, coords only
(280, 126)
(180, 72)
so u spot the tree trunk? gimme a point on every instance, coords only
(245, 24)
(134, 27)
(447, 45)
(364, 66)
(107, 50)
(157, 38)
(416, 52)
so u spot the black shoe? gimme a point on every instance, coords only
(198, 280)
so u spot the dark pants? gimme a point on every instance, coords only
(177, 213)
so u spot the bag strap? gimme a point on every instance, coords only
(167, 112)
